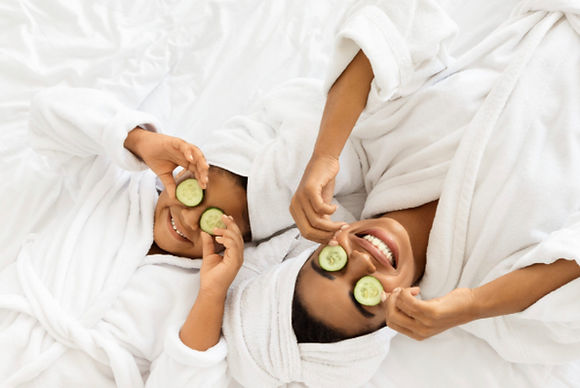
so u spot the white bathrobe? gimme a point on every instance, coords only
(511, 197)
(80, 303)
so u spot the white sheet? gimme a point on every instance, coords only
(194, 65)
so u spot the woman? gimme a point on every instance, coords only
(477, 249)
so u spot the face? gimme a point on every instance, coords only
(328, 296)
(185, 239)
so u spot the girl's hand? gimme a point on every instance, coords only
(217, 273)
(311, 204)
(163, 153)
(421, 319)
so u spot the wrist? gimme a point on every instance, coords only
(134, 139)
(324, 155)
(480, 304)
(212, 294)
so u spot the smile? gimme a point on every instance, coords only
(382, 248)
(174, 227)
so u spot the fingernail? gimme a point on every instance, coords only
(343, 227)
(398, 289)
(384, 296)
(333, 243)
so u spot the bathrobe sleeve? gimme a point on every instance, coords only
(181, 366)
(69, 126)
(272, 146)
(547, 332)
(405, 41)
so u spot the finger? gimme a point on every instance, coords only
(410, 305)
(207, 244)
(188, 156)
(169, 184)
(202, 167)
(231, 228)
(322, 222)
(310, 232)
(196, 163)
(180, 173)
(318, 204)
(405, 331)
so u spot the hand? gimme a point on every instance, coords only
(217, 273)
(164, 153)
(421, 319)
(311, 204)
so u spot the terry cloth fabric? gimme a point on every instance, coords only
(64, 279)
(511, 196)
(406, 42)
(273, 145)
(263, 350)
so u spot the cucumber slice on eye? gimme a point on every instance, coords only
(211, 218)
(189, 192)
(368, 290)
(332, 258)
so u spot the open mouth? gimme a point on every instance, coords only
(174, 227)
(380, 247)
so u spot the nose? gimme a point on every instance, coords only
(360, 264)
(191, 217)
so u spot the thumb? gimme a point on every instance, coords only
(169, 183)
(415, 290)
(384, 296)
(207, 245)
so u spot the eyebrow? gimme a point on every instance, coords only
(359, 308)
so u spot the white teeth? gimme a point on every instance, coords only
(175, 228)
(382, 247)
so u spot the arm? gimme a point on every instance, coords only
(310, 205)
(405, 42)
(508, 294)
(197, 356)
(202, 327)
(69, 126)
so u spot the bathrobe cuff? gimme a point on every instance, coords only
(405, 42)
(181, 366)
(116, 132)
(71, 125)
(183, 354)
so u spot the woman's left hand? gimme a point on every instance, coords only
(421, 319)
(163, 154)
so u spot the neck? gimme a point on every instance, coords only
(417, 222)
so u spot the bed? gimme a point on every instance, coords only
(194, 64)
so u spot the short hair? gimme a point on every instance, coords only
(240, 181)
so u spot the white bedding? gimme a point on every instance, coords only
(194, 64)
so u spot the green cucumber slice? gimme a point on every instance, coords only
(332, 258)
(368, 290)
(189, 192)
(211, 218)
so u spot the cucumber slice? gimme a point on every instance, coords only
(189, 192)
(332, 258)
(368, 290)
(211, 218)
